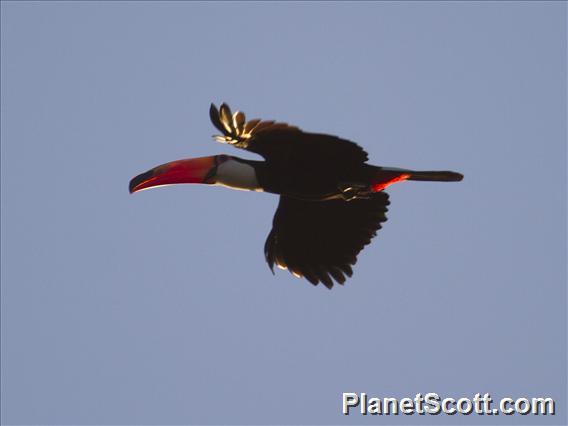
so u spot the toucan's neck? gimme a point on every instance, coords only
(237, 173)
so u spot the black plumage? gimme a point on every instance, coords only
(312, 236)
(320, 240)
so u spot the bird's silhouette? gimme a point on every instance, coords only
(332, 203)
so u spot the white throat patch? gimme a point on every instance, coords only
(236, 175)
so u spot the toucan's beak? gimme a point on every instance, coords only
(191, 170)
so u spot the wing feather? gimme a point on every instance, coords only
(227, 119)
(249, 125)
(215, 118)
(239, 120)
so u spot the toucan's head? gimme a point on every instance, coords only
(215, 170)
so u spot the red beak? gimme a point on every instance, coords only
(192, 170)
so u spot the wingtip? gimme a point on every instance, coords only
(215, 118)
(270, 264)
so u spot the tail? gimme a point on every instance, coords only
(386, 176)
(435, 176)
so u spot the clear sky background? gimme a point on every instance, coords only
(158, 307)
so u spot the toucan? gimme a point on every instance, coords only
(332, 203)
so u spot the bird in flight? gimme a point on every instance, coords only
(331, 201)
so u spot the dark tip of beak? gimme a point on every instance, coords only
(138, 180)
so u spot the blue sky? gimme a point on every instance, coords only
(158, 308)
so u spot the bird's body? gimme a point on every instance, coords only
(331, 201)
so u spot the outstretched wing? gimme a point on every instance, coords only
(321, 239)
(275, 141)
